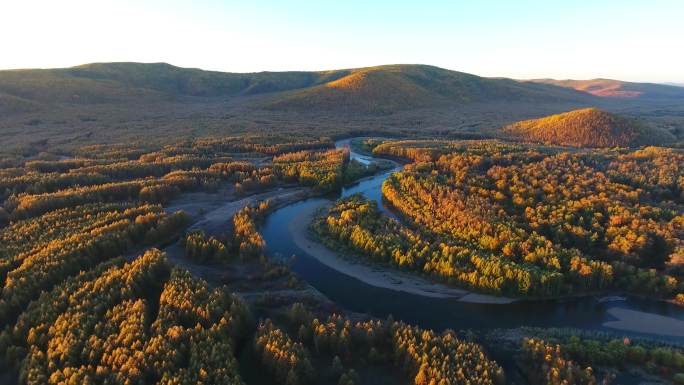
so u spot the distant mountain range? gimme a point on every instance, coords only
(382, 89)
(610, 88)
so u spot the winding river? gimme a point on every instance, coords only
(631, 316)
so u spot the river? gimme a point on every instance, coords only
(630, 316)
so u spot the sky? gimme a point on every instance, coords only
(628, 40)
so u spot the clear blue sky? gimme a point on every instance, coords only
(629, 40)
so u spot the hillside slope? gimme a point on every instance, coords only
(391, 88)
(589, 127)
(195, 82)
(610, 88)
(134, 82)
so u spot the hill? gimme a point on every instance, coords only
(383, 89)
(609, 88)
(392, 88)
(589, 127)
(102, 83)
(195, 82)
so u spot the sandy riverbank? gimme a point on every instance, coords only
(387, 278)
(641, 322)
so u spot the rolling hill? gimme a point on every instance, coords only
(195, 82)
(383, 89)
(609, 88)
(133, 82)
(589, 127)
(391, 88)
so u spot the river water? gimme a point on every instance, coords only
(586, 313)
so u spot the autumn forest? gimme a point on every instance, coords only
(117, 269)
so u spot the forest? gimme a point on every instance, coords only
(422, 356)
(556, 356)
(524, 221)
(104, 277)
(83, 302)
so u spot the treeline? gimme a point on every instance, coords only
(36, 183)
(255, 181)
(552, 350)
(547, 364)
(365, 145)
(287, 359)
(422, 356)
(156, 175)
(247, 240)
(60, 166)
(99, 327)
(355, 170)
(150, 165)
(200, 248)
(26, 206)
(264, 144)
(624, 353)
(432, 150)
(358, 225)
(38, 177)
(109, 173)
(323, 170)
(36, 233)
(154, 190)
(61, 244)
(423, 150)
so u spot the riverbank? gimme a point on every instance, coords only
(384, 277)
(212, 213)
